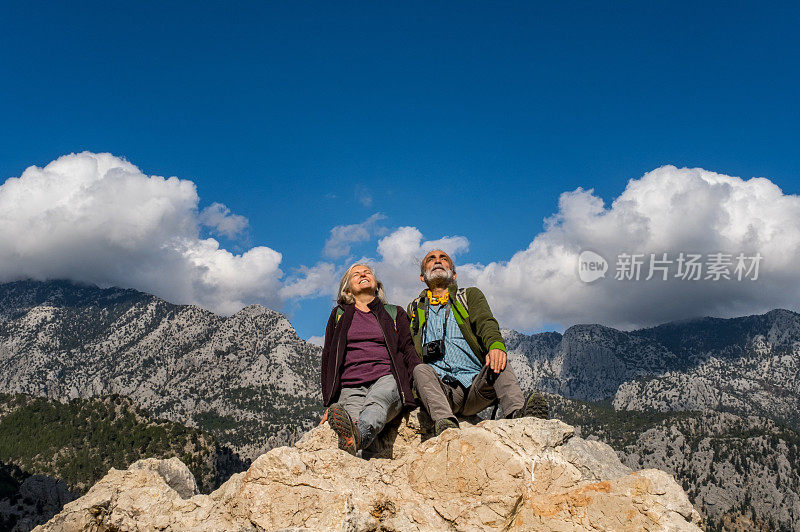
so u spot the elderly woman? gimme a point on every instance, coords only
(367, 361)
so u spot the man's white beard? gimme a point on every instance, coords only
(439, 277)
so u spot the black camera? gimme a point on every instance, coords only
(433, 351)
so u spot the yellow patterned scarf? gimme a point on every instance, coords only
(433, 300)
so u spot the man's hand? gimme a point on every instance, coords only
(496, 359)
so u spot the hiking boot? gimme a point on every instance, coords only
(342, 424)
(535, 406)
(444, 424)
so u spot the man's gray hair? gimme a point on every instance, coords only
(345, 295)
(422, 261)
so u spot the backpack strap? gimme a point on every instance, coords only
(461, 297)
(392, 310)
(460, 307)
(417, 315)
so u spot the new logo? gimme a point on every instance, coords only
(591, 266)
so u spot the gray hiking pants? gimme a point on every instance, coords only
(371, 407)
(443, 400)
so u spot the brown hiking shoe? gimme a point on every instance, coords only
(342, 424)
(535, 406)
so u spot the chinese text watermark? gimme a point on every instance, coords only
(665, 266)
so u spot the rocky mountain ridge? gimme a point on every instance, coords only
(748, 365)
(248, 379)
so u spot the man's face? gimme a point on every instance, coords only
(437, 269)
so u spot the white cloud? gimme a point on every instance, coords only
(397, 266)
(97, 218)
(321, 279)
(668, 210)
(342, 236)
(400, 254)
(219, 217)
(316, 340)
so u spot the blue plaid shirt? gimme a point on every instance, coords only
(458, 361)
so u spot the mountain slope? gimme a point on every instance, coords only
(80, 440)
(178, 362)
(748, 365)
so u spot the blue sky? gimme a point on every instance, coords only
(460, 118)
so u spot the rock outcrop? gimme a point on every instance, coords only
(740, 472)
(525, 474)
(37, 499)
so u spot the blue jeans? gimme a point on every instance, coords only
(372, 406)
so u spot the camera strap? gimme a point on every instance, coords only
(444, 326)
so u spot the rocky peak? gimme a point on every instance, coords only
(593, 362)
(694, 339)
(526, 474)
(180, 362)
(21, 295)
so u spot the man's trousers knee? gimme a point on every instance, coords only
(443, 401)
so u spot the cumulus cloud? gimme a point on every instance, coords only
(319, 280)
(396, 265)
(668, 210)
(342, 236)
(317, 340)
(399, 255)
(217, 216)
(98, 219)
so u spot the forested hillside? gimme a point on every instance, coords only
(79, 441)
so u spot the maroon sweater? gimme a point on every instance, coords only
(366, 359)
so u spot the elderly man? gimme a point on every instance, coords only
(459, 340)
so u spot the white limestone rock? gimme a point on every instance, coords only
(525, 474)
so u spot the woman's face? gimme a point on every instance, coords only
(362, 280)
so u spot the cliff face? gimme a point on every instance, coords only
(247, 379)
(748, 365)
(525, 474)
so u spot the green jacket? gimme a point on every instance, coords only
(473, 315)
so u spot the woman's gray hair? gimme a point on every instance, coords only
(346, 297)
